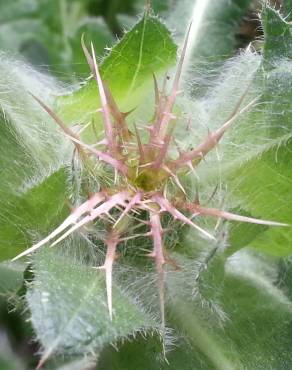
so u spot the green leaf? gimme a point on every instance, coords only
(128, 71)
(34, 213)
(278, 39)
(10, 362)
(25, 212)
(32, 151)
(140, 353)
(11, 277)
(252, 331)
(262, 184)
(48, 33)
(68, 307)
(255, 153)
(259, 313)
(242, 234)
(265, 191)
(216, 39)
(94, 30)
(22, 31)
(287, 9)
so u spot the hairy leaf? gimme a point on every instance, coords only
(278, 38)
(263, 183)
(32, 151)
(68, 305)
(265, 191)
(34, 213)
(255, 332)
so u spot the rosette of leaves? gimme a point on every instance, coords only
(227, 302)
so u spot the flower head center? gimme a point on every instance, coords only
(150, 179)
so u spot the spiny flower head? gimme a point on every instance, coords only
(142, 168)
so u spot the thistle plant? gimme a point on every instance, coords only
(142, 172)
(124, 177)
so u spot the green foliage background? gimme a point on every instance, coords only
(231, 311)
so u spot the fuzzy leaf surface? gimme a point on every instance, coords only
(265, 190)
(262, 184)
(33, 154)
(255, 334)
(68, 307)
(278, 38)
(24, 214)
(32, 214)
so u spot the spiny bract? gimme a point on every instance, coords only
(143, 169)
